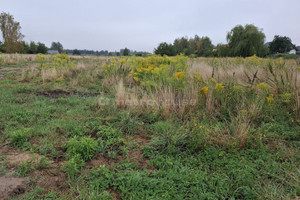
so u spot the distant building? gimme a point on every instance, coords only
(293, 51)
(267, 44)
(52, 52)
(298, 48)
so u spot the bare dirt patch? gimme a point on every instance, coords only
(10, 186)
(52, 179)
(101, 160)
(142, 139)
(16, 159)
(54, 94)
(136, 154)
(64, 94)
(115, 194)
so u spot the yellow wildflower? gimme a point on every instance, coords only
(198, 76)
(180, 75)
(136, 78)
(270, 99)
(156, 70)
(263, 86)
(122, 61)
(219, 86)
(104, 65)
(212, 79)
(204, 90)
(113, 62)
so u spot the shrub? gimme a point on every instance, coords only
(155, 71)
(25, 168)
(169, 139)
(73, 166)
(129, 123)
(19, 138)
(86, 147)
(29, 166)
(110, 141)
(47, 148)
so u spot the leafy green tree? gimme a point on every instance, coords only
(32, 48)
(41, 48)
(192, 45)
(281, 44)
(76, 52)
(222, 51)
(246, 41)
(57, 46)
(165, 49)
(11, 33)
(196, 46)
(125, 52)
(181, 45)
(204, 46)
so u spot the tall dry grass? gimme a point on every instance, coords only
(11, 59)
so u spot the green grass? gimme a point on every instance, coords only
(211, 174)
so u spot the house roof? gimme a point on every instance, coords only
(52, 52)
(267, 44)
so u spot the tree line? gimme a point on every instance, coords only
(242, 41)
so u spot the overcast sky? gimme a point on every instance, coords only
(142, 25)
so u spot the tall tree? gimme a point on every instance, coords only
(165, 49)
(57, 46)
(281, 44)
(204, 46)
(41, 48)
(76, 52)
(222, 51)
(11, 33)
(125, 52)
(32, 48)
(181, 45)
(246, 41)
(192, 45)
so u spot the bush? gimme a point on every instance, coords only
(86, 147)
(129, 123)
(29, 166)
(155, 71)
(73, 166)
(19, 138)
(110, 141)
(170, 139)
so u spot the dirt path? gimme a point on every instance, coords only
(4, 71)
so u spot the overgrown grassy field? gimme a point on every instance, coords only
(156, 127)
